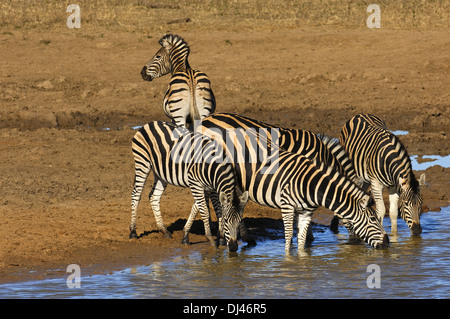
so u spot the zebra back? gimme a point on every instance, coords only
(172, 152)
(376, 152)
(302, 142)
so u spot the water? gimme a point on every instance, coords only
(400, 132)
(443, 161)
(416, 267)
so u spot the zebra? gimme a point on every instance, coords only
(302, 142)
(381, 160)
(189, 97)
(294, 184)
(181, 158)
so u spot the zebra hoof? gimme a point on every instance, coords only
(185, 241)
(222, 242)
(133, 234)
(167, 235)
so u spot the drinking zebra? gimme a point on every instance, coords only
(189, 96)
(380, 159)
(313, 146)
(294, 184)
(181, 158)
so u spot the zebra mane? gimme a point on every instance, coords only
(174, 41)
(331, 144)
(339, 153)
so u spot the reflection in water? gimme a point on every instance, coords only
(412, 267)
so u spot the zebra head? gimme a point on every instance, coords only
(366, 225)
(410, 202)
(171, 57)
(232, 209)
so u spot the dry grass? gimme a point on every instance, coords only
(219, 14)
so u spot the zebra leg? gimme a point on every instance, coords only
(393, 209)
(377, 193)
(218, 209)
(243, 232)
(155, 198)
(140, 177)
(303, 223)
(135, 199)
(288, 220)
(200, 202)
(188, 225)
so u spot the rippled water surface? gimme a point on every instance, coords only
(330, 268)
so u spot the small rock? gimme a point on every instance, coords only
(47, 84)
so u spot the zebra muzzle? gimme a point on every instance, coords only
(232, 245)
(385, 241)
(144, 74)
(416, 229)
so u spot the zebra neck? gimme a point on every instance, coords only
(179, 60)
(294, 140)
(398, 163)
(338, 193)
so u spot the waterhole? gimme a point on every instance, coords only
(412, 267)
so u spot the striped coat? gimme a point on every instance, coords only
(294, 184)
(381, 160)
(302, 142)
(182, 158)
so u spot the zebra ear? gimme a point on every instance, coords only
(363, 202)
(422, 180)
(243, 198)
(164, 41)
(224, 200)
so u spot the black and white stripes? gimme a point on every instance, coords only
(381, 160)
(311, 145)
(294, 183)
(189, 97)
(182, 158)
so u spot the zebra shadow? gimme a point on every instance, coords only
(261, 228)
(178, 225)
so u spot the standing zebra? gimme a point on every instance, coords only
(189, 97)
(294, 184)
(381, 160)
(300, 142)
(182, 158)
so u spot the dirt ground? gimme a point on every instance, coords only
(68, 100)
